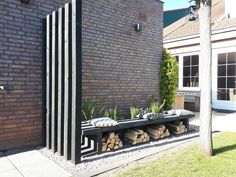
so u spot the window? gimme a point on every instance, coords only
(226, 76)
(191, 71)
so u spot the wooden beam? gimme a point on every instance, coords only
(44, 68)
(48, 79)
(76, 81)
(54, 80)
(60, 121)
(67, 82)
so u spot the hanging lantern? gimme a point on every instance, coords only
(192, 16)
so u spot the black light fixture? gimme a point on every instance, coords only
(25, 1)
(5, 88)
(137, 27)
(192, 16)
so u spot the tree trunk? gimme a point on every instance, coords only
(205, 77)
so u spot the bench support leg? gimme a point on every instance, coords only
(99, 142)
(186, 123)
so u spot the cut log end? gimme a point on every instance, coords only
(111, 141)
(158, 131)
(136, 136)
(177, 127)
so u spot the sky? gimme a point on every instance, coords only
(175, 4)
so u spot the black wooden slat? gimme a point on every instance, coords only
(44, 68)
(48, 79)
(60, 121)
(54, 80)
(67, 92)
(82, 140)
(88, 153)
(84, 145)
(76, 81)
(89, 142)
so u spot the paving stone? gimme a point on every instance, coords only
(34, 164)
(11, 173)
(5, 165)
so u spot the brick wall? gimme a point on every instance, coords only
(120, 66)
(20, 69)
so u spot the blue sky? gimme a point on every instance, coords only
(175, 4)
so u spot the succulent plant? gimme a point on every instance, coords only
(91, 109)
(134, 111)
(155, 107)
(112, 113)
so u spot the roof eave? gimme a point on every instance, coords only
(192, 36)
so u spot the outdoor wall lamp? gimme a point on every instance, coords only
(5, 88)
(25, 1)
(137, 27)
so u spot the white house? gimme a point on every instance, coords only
(181, 39)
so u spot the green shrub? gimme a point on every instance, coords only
(112, 113)
(91, 109)
(155, 107)
(168, 79)
(134, 111)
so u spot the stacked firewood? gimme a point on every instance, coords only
(111, 141)
(136, 136)
(158, 131)
(177, 127)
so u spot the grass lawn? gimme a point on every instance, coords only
(190, 163)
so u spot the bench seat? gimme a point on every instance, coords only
(94, 134)
(88, 129)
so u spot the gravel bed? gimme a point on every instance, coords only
(98, 162)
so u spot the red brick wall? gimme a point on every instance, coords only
(120, 66)
(21, 71)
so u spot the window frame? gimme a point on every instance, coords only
(188, 69)
(181, 70)
(227, 75)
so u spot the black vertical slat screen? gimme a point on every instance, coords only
(64, 81)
